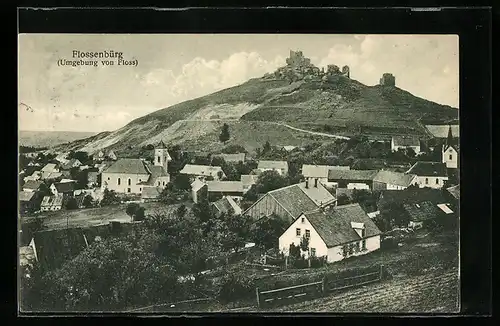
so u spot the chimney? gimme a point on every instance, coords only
(307, 183)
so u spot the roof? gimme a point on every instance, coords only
(445, 208)
(227, 205)
(359, 175)
(405, 141)
(455, 146)
(233, 157)
(201, 170)
(412, 195)
(249, 179)
(156, 171)
(49, 167)
(64, 187)
(441, 131)
(71, 163)
(289, 148)
(56, 200)
(26, 195)
(272, 165)
(428, 169)
(334, 226)
(32, 184)
(197, 185)
(225, 186)
(454, 191)
(128, 165)
(394, 178)
(320, 195)
(320, 171)
(26, 255)
(151, 192)
(54, 175)
(293, 200)
(422, 211)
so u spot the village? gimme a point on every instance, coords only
(308, 206)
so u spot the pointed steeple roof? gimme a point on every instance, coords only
(161, 145)
(449, 140)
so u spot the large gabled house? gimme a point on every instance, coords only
(405, 142)
(32, 185)
(352, 179)
(288, 202)
(279, 166)
(429, 174)
(319, 173)
(390, 180)
(219, 189)
(28, 202)
(52, 203)
(64, 188)
(203, 172)
(337, 233)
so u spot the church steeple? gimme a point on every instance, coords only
(161, 145)
(449, 140)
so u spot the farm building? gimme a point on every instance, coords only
(63, 188)
(288, 202)
(202, 172)
(389, 180)
(429, 174)
(226, 205)
(232, 158)
(279, 166)
(419, 213)
(219, 189)
(319, 173)
(32, 185)
(337, 233)
(404, 142)
(52, 203)
(352, 179)
(199, 190)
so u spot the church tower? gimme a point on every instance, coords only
(161, 155)
(450, 151)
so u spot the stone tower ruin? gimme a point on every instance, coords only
(388, 80)
(345, 71)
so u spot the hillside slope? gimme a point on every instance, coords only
(339, 105)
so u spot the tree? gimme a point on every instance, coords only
(304, 243)
(266, 148)
(132, 209)
(181, 211)
(270, 180)
(109, 198)
(71, 203)
(224, 135)
(251, 195)
(234, 149)
(410, 152)
(234, 286)
(182, 182)
(267, 230)
(88, 201)
(140, 214)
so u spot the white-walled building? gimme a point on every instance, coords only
(390, 180)
(202, 172)
(279, 166)
(337, 233)
(319, 173)
(429, 174)
(451, 151)
(404, 142)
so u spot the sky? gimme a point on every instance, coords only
(172, 68)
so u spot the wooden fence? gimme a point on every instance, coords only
(314, 290)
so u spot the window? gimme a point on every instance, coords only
(140, 189)
(308, 234)
(363, 245)
(426, 181)
(159, 159)
(108, 178)
(158, 183)
(140, 180)
(437, 181)
(303, 220)
(313, 252)
(316, 183)
(129, 182)
(163, 182)
(297, 232)
(451, 157)
(119, 181)
(128, 189)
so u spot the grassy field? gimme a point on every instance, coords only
(94, 216)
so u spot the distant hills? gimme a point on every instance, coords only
(50, 138)
(268, 108)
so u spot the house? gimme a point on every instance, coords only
(130, 176)
(248, 180)
(288, 202)
(54, 176)
(48, 169)
(150, 194)
(279, 166)
(217, 189)
(73, 163)
(419, 213)
(32, 186)
(404, 142)
(79, 199)
(429, 174)
(288, 148)
(232, 158)
(390, 180)
(202, 172)
(336, 233)
(352, 179)
(52, 203)
(451, 151)
(28, 202)
(66, 180)
(199, 190)
(319, 173)
(63, 188)
(36, 175)
(62, 158)
(92, 177)
(226, 205)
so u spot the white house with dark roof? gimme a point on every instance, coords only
(337, 233)
(279, 166)
(225, 188)
(429, 174)
(451, 151)
(202, 172)
(288, 202)
(198, 190)
(390, 180)
(131, 176)
(319, 173)
(404, 142)
(232, 158)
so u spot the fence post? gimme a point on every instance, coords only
(258, 296)
(381, 272)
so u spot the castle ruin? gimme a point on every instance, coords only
(387, 80)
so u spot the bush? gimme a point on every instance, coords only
(234, 286)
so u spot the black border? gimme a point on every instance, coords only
(473, 26)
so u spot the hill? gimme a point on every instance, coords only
(50, 138)
(282, 108)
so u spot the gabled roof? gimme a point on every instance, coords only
(422, 211)
(354, 175)
(454, 191)
(32, 184)
(156, 172)
(239, 157)
(293, 200)
(225, 186)
(394, 178)
(129, 166)
(319, 195)
(428, 169)
(197, 185)
(272, 165)
(249, 179)
(412, 196)
(92, 176)
(334, 225)
(320, 171)
(227, 205)
(151, 192)
(64, 187)
(56, 200)
(201, 170)
(25, 196)
(54, 175)
(50, 167)
(456, 147)
(71, 163)
(405, 141)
